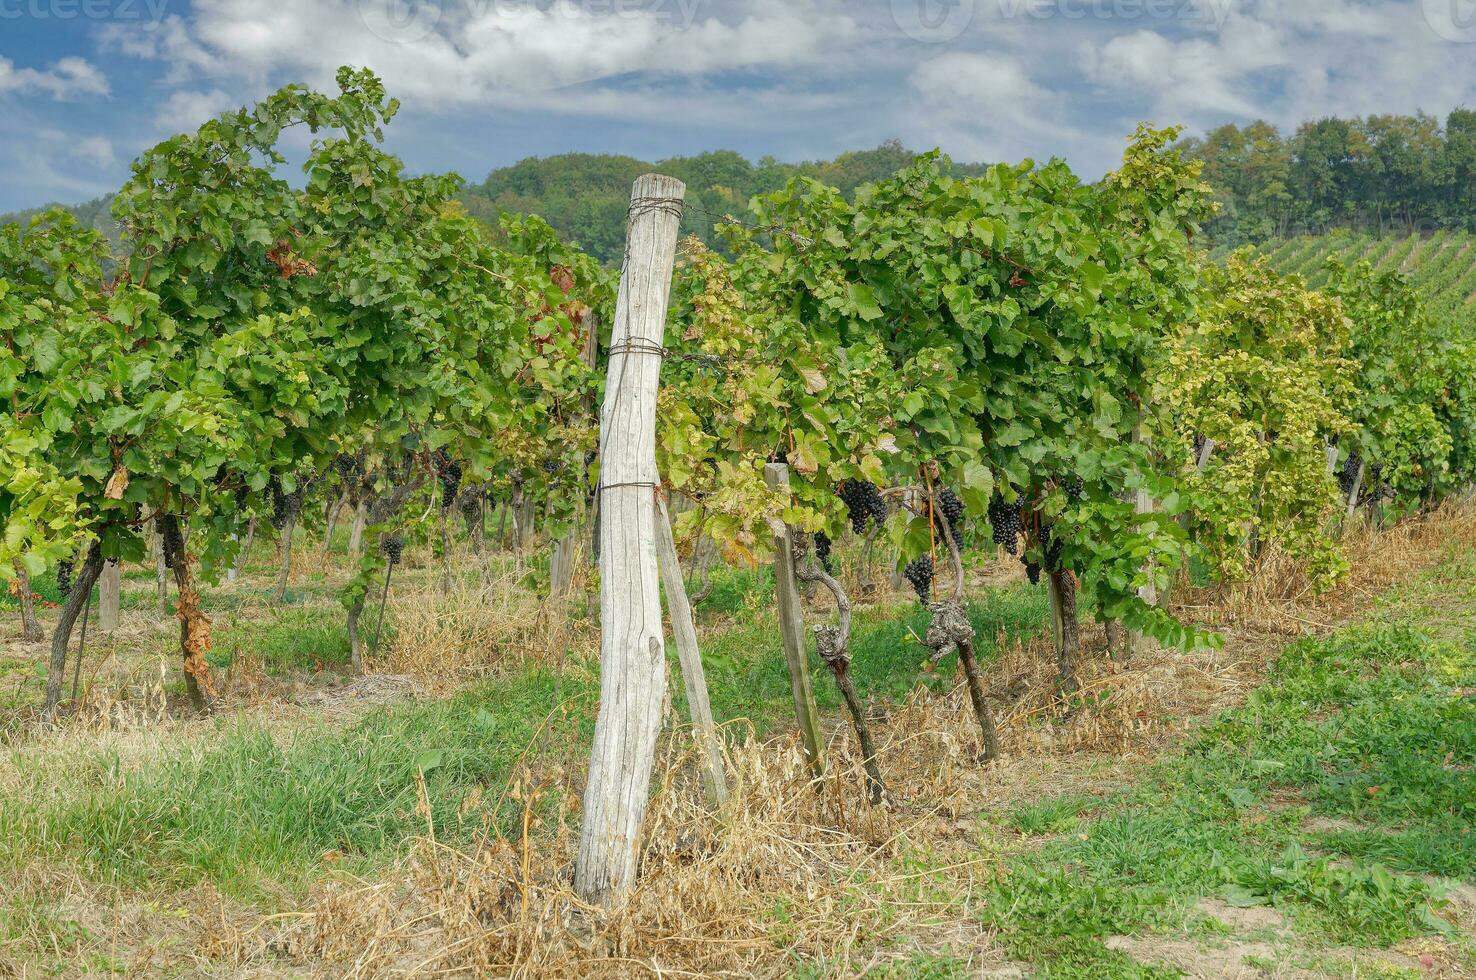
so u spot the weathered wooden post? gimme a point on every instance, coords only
(109, 596)
(694, 678)
(632, 654)
(1354, 491)
(1142, 504)
(792, 629)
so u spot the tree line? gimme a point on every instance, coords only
(1379, 173)
(1382, 173)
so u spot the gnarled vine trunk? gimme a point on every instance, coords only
(356, 530)
(194, 637)
(286, 570)
(372, 513)
(833, 643)
(245, 549)
(30, 629)
(1067, 631)
(85, 578)
(334, 509)
(950, 630)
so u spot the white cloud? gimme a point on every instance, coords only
(94, 150)
(1288, 62)
(489, 51)
(186, 110)
(986, 107)
(168, 40)
(68, 78)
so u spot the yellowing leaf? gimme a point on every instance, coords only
(117, 484)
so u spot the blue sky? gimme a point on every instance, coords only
(86, 84)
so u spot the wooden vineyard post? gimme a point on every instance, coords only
(792, 628)
(694, 678)
(1357, 488)
(1142, 504)
(1201, 463)
(632, 654)
(109, 596)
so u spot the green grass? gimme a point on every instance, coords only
(748, 676)
(1058, 815)
(255, 812)
(1374, 725)
(294, 639)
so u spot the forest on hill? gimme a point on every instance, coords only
(1378, 174)
(584, 196)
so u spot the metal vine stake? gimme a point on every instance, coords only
(384, 598)
(81, 649)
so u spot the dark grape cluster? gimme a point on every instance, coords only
(1004, 518)
(284, 505)
(822, 552)
(1374, 488)
(920, 573)
(1051, 546)
(450, 483)
(952, 509)
(350, 466)
(173, 540)
(864, 503)
(64, 570)
(1074, 488)
(1349, 473)
(393, 549)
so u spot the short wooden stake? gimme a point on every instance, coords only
(694, 678)
(792, 628)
